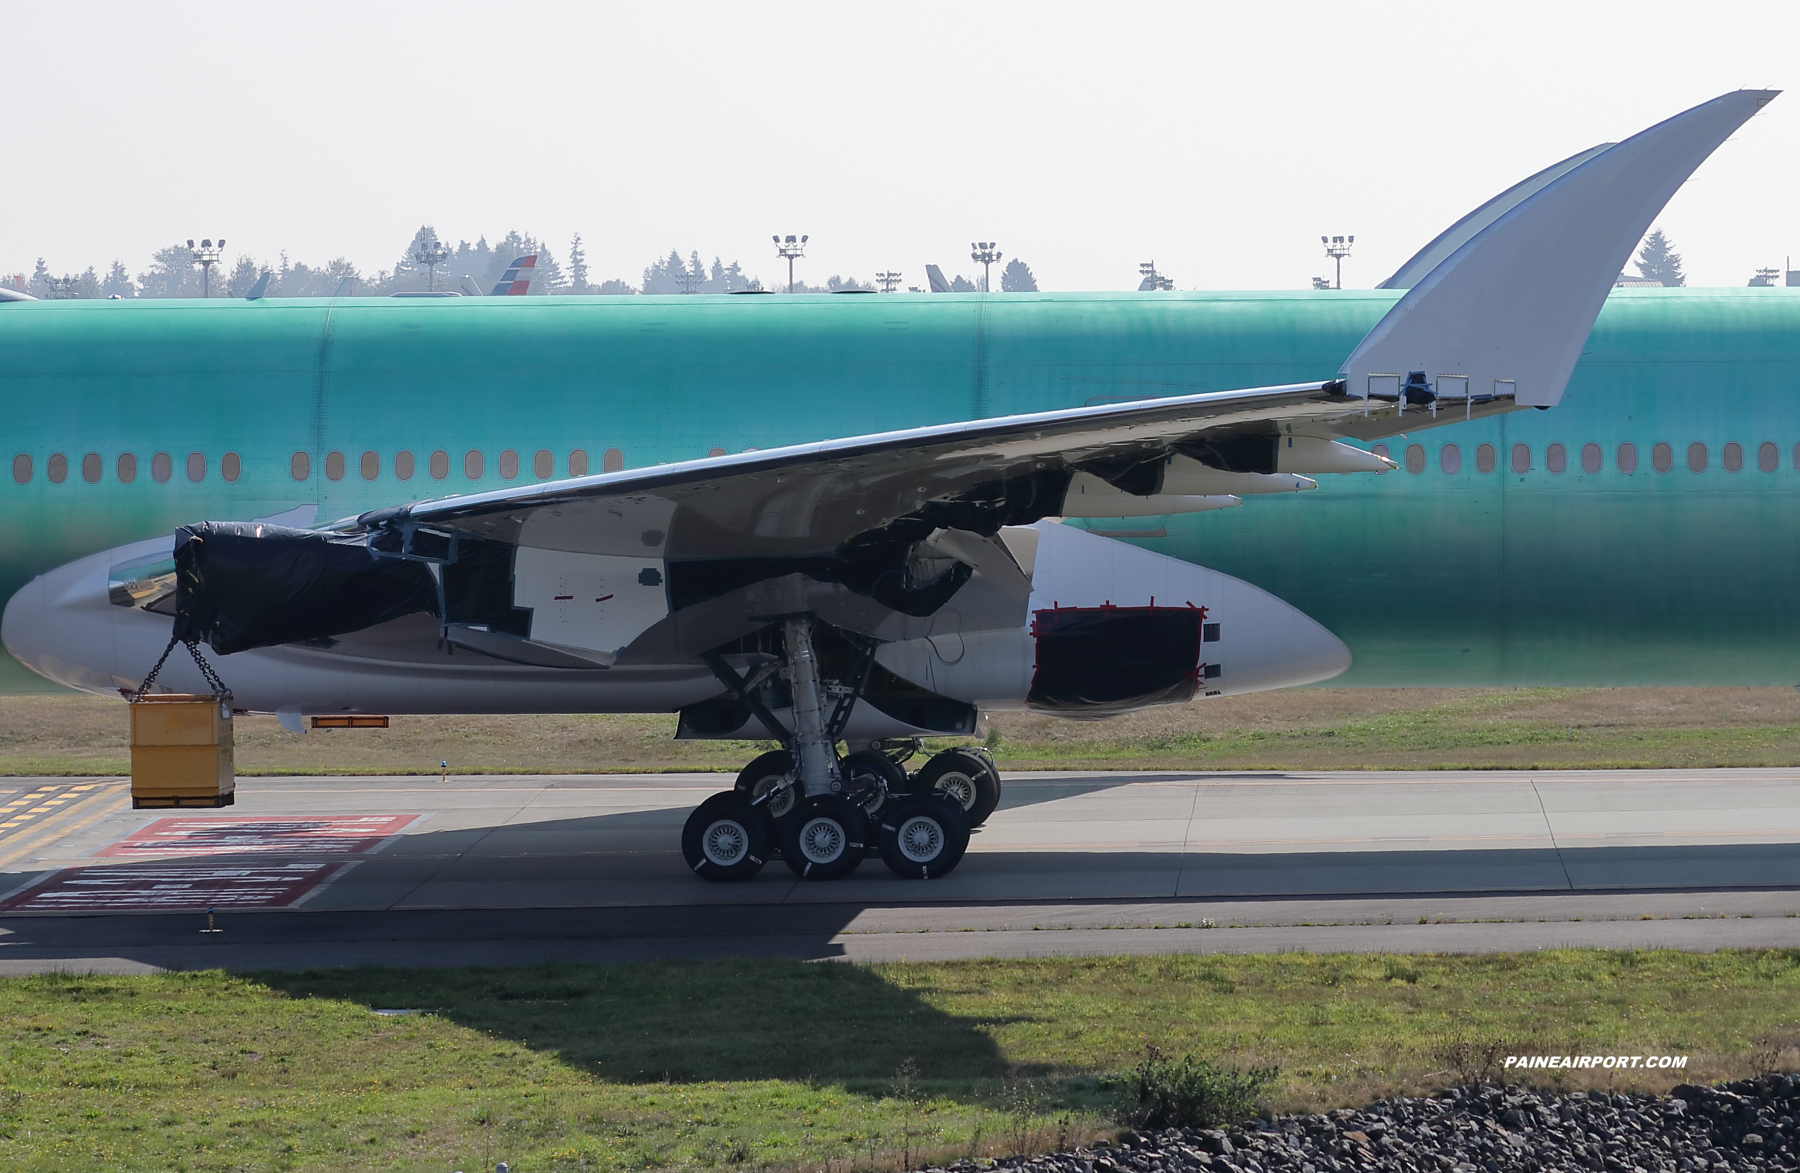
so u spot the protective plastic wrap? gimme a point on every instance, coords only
(242, 585)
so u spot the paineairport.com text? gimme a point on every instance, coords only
(1525, 1062)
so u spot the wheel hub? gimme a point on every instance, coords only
(780, 803)
(725, 842)
(822, 840)
(958, 788)
(920, 839)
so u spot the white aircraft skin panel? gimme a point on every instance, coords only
(596, 602)
(1264, 643)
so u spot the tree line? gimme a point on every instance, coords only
(173, 273)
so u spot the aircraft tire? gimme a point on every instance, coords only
(893, 778)
(758, 778)
(824, 838)
(964, 776)
(725, 839)
(923, 836)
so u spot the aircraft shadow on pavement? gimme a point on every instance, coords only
(722, 1020)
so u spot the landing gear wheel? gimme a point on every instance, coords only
(725, 839)
(922, 836)
(872, 780)
(966, 778)
(824, 839)
(767, 773)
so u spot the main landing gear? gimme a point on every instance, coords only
(824, 813)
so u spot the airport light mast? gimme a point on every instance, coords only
(430, 252)
(788, 250)
(206, 256)
(61, 288)
(985, 253)
(1337, 248)
(689, 282)
(889, 281)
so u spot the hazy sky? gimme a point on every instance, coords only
(1219, 139)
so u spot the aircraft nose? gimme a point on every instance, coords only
(63, 626)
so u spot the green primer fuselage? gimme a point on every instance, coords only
(1501, 578)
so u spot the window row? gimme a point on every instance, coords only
(369, 465)
(1625, 459)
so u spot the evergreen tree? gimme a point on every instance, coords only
(615, 287)
(119, 282)
(1658, 261)
(962, 284)
(549, 279)
(40, 280)
(1017, 278)
(172, 273)
(243, 277)
(578, 269)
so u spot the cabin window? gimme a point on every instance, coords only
(473, 464)
(161, 468)
(715, 452)
(1521, 458)
(1484, 458)
(1768, 457)
(127, 466)
(440, 465)
(1590, 458)
(403, 465)
(334, 466)
(91, 468)
(57, 468)
(1628, 458)
(1380, 450)
(1696, 457)
(1450, 459)
(543, 464)
(196, 467)
(509, 464)
(614, 460)
(1556, 458)
(1733, 457)
(370, 465)
(299, 466)
(22, 469)
(578, 463)
(1415, 458)
(230, 467)
(1662, 458)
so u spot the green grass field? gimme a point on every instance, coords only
(1315, 729)
(771, 1064)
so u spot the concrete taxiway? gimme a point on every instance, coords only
(504, 870)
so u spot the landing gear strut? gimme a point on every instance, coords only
(825, 814)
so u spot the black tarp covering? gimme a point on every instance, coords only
(1102, 661)
(242, 585)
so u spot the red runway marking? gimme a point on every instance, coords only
(168, 886)
(200, 835)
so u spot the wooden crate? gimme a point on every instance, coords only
(181, 752)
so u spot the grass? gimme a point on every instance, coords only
(764, 1063)
(1315, 729)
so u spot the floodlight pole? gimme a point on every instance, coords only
(790, 249)
(984, 253)
(889, 281)
(431, 253)
(206, 255)
(1337, 248)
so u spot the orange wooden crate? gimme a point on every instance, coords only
(181, 751)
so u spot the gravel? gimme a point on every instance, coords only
(1736, 1128)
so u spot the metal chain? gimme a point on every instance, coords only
(206, 670)
(143, 689)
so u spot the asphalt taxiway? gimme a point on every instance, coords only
(515, 869)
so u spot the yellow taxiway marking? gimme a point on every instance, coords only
(92, 808)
